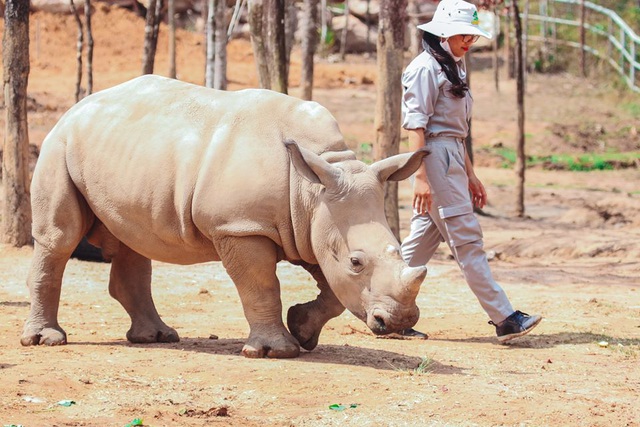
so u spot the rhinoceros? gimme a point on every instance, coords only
(158, 169)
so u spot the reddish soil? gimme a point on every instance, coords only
(574, 259)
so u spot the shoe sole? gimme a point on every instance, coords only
(503, 339)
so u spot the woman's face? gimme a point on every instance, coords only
(461, 43)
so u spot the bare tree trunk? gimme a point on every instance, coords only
(390, 49)
(415, 34)
(290, 26)
(275, 33)
(258, 41)
(237, 10)
(308, 47)
(520, 165)
(16, 215)
(151, 29)
(495, 46)
(171, 20)
(345, 31)
(524, 42)
(87, 17)
(79, 44)
(220, 31)
(210, 34)
(507, 45)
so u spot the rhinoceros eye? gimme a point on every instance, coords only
(356, 261)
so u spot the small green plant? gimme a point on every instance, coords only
(426, 365)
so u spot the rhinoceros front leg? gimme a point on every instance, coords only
(251, 264)
(306, 320)
(45, 282)
(130, 284)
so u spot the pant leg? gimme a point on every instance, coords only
(452, 213)
(421, 243)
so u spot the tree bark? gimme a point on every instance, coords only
(275, 33)
(220, 67)
(87, 17)
(210, 35)
(308, 47)
(79, 44)
(494, 47)
(258, 41)
(151, 29)
(520, 165)
(345, 31)
(16, 214)
(171, 20)
(415, 34)
(390, 49)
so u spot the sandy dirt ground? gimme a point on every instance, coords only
(574, 259)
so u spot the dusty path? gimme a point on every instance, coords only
(574, 259)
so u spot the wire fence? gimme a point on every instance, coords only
(593, 29)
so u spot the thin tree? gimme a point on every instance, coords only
(16, 214)
(210, 43)
(220, 31)
(494, 48)
(520, 165)
(87, 18)
(79, 45)
(259, 41)
(171, 21)
(151, 29)
(390, 48)
(277, 60)
(345, 31)
(308, 47)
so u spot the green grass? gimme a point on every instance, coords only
(571, 162)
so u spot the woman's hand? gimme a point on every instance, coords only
(478, 193)
(421, 195)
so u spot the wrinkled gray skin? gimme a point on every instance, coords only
(159, 169)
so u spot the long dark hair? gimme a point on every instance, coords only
(458, 87)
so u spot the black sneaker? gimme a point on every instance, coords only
(516, 325)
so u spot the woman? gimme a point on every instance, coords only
(437, 109)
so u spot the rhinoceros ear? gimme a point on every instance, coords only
(400, 166)
(311, 166)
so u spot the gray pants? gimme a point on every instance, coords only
(451, 219)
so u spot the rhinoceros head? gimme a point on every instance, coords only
(352, 242)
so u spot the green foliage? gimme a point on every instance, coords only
(571, 162)
(633, 108)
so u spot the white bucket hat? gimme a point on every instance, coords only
(453, 17)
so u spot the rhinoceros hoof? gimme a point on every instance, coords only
(302, 327)
(281, 347)
(45, 336)
(152, 335)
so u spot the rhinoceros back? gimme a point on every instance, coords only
(166, 165)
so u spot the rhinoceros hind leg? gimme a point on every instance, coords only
(130, 284)
(44, 281)
(305, 321)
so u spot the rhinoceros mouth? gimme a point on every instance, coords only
(381, 322)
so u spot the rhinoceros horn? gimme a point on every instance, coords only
(412, 278)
